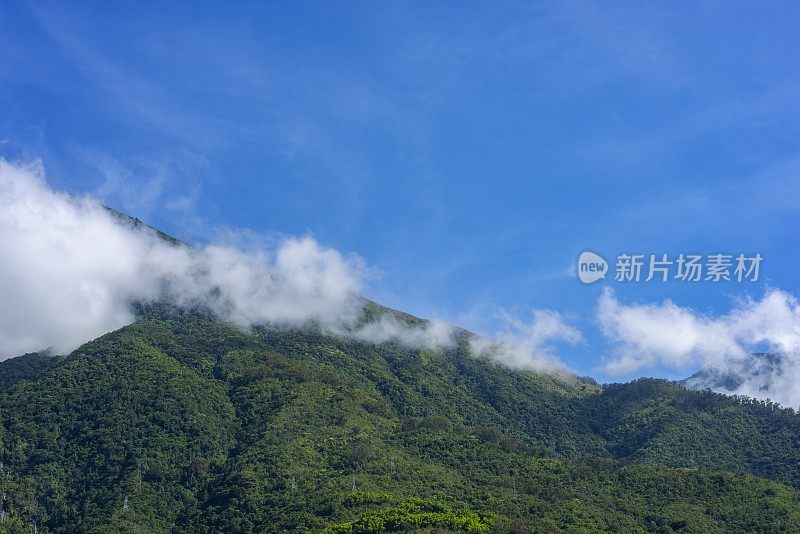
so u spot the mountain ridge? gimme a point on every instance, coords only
(182, 422)
(182, 409)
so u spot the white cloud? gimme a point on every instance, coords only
(664, 334)
(435, 333)
(528, 345)
(69, 271)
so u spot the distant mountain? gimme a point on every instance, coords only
(759, 369)
(181, 422)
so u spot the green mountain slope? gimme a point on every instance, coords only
(660, 421)
(182, 423)
(25, 367)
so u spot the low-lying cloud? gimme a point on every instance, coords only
(432, 334)
(529, 345)
(664, 334)
(70, 270)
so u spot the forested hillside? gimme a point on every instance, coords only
(180, 422)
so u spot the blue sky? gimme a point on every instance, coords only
(468, 152)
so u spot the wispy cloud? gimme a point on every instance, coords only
(144, 186)
(529, 344)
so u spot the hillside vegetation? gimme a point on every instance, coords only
(180, 422)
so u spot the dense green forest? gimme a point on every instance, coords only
(180, 422)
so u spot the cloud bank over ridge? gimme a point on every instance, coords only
(70, 269)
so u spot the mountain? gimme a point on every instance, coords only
(758, 369)
(132, 222)
(181, 422)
